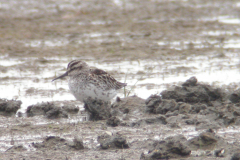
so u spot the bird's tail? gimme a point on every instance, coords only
(120, 85)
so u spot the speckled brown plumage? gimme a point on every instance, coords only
(90, 82)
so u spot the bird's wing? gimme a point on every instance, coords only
(103, 77)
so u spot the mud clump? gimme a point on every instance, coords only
(192, 92)
(56, 113)
(48, 109)
(206, 140)
(165, 106)
(179, 147)
(228, 113)
(77, 143)
(100, 110)
(197, 108)
(149, 121)
(9, 107)
(236, 156)
(113, 121)
(57, 143)
(152, 103)
(97, 109)
(17, 148)
(128, 105)
(112, 141)
(210, 104)
(69, 108)
(235, 96)
(171, 147)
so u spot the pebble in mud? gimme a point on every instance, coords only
(219, 152)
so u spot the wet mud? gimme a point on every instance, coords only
(205, 108)
(188, 119)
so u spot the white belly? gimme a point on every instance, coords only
(82, 91)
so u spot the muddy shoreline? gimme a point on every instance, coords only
(131, 128)
(155, 46)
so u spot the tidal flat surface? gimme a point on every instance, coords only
(151, 45)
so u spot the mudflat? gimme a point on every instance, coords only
(189, 119)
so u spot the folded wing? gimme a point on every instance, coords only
(107, 79)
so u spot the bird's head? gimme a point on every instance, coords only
(74, 67)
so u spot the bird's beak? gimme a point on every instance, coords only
(64, 75)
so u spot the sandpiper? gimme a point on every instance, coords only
(90, 82)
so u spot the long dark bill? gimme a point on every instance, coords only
(64, 75)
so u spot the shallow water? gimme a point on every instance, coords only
(144, 77)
